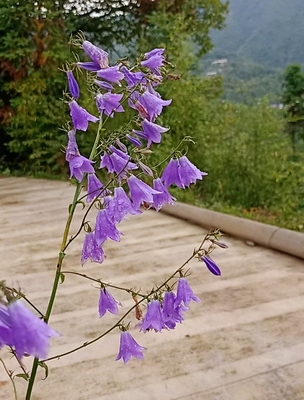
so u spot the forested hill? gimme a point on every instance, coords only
(269, 32)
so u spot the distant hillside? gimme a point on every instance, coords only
(269, 32)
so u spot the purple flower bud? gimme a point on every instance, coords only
(134, 140)
(121, 145)
(73, 85)
(164, 197)
(72, 147)
(154, 318)
(29, 334)
(108, 103)
(104, 85)
(89, 66)
(220, 244)
(147, 170)
(81, 117)
(211, 265)
(129, 347)
(98, 55)
(107, 303)
(111, 74)
(92, 250)
(140, 192)
(184, 293)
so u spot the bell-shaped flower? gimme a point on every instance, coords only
(153, 132)
(154, 318)
(133, 78)
(189, 172)
(118, 163)
(80, 117)
(80, 165)
(154, 60)
(29, 334)
(129, 347)
(184, 293)
(105, 228)
(95, 188)
(108, 103)
(140, 192)
(89, 66)
(92, 250)
(97, 55)
(150, 106)
(72, 147)
(171, 175)
(171, 314)
(111, 74)
(211, 265)
(5, 328)
(163, 197)
(73, 85)
(119, 206)
(107, 303)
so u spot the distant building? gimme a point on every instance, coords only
(221, 62)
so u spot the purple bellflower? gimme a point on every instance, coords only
(73, 85)
(95, 188)
(211, 265)
(129, 347)
(133, 78)
(152, 132)
(72, 147)
(89, 66)
(111, 74)
(163, 197)
(108, 103)
(5, 328)
(80, 116)
(29, 334)
(80, 165)
(118, 163)
(181, 172)
(92, 250)
(119, 206)
(140, 191)
(134, 140)
(184, 293)
(104, 85)
(154, 60)
(154, 318)
(150, 106)
(107, 303)
(98, 56)
(171, 314)
(105, 228)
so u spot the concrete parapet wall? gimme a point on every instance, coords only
(285, 240)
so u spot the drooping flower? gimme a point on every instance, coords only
(79, 165)
(153, 132)
(129, 347)
(181, 172)
(108, 103)
(140, 191)
(105, 228)
(95, 188)
(150, 106)
(171, 314)
(154, 60)
(72, 147)
(118, 162)
(119, 206)
(184, 293)
(107, 303)
(163, 197)
(5, 328)
(189, 172)
(92, 250)
(80, 116)
(153, 318)
(133, 78)
(73, 85)
(99, 56)
(111, 74)
(211, 265)
(29, 334)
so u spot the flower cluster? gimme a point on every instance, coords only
(24, 331)
(161, 314)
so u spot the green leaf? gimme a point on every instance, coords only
(46, 369)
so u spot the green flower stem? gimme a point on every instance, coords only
(56, 281)
(118, 323)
